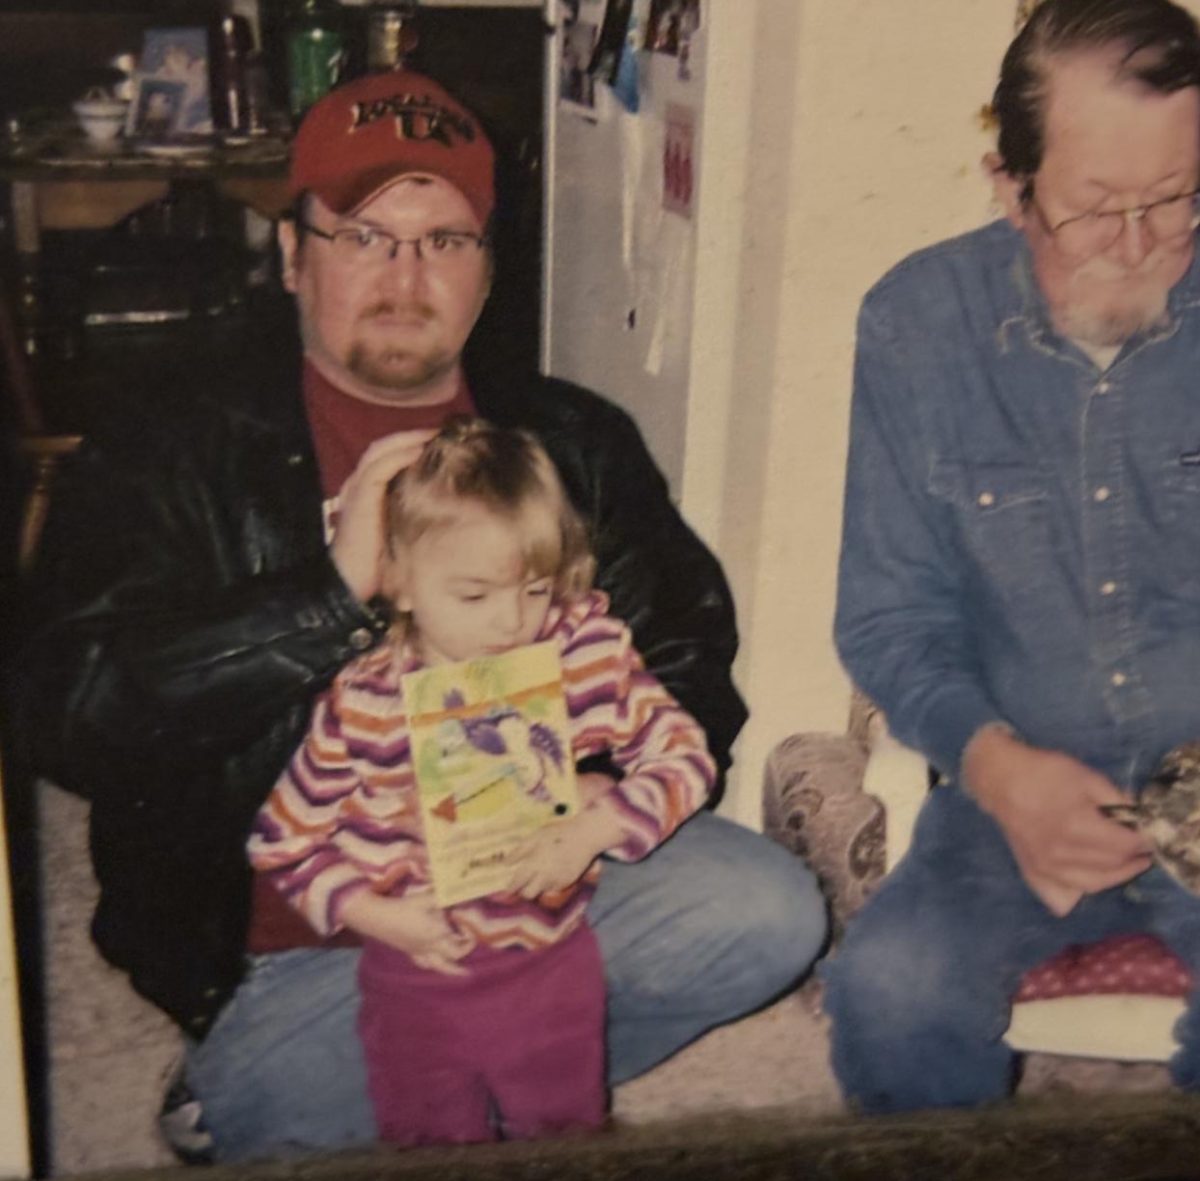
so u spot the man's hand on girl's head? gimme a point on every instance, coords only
(359, 545)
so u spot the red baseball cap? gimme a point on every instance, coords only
(363, 136)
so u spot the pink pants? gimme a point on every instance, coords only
(513, 1051)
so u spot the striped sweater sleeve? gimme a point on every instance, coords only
(617, 707)
(313, 837)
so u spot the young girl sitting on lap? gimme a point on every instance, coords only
(485, 1019)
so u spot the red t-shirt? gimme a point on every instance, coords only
(343, 427)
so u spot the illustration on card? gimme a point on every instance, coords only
(492, 759)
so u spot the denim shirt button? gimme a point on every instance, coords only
(1101, 495)
(1103, 387)
(1118, 679)
(1107, 588)
(987, 499)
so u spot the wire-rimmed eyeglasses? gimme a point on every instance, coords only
(372, 246)
(1091, 233)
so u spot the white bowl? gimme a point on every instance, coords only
(101, 119)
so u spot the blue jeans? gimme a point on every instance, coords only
(712, 925)
(919, 991)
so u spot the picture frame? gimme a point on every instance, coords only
(171, 85)
(156, 108)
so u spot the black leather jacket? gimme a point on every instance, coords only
(193, 614)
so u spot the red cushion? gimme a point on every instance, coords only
(1132, 964)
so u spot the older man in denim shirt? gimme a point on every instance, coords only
(1020, 578)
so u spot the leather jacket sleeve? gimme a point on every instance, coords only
(174, 623)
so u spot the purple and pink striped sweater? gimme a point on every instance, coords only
(344, 815)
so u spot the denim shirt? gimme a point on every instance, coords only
(1022, 531)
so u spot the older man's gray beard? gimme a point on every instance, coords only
(1105, 325)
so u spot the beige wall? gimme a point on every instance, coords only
(839, 135)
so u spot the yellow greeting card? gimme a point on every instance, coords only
(491, 754)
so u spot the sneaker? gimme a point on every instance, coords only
(181, 1122)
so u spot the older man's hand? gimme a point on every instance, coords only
(1048, 806)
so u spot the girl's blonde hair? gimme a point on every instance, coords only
(506, 472)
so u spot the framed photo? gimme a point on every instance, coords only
(171, 96)
(156, 109)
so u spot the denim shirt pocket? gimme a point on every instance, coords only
(1181, 518)
(1001, 513)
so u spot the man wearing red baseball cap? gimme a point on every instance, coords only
(206, 580)
(362, 137)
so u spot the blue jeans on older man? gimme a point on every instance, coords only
(714, 924)
(920, 990)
